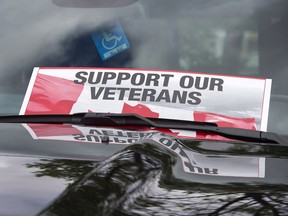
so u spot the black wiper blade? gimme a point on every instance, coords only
(101, 119)
(111, 119)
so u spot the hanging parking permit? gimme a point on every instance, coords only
(111, 41)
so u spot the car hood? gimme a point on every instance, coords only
(149, 176)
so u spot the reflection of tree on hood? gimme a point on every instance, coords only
(70, 170)
(105, 189)
(135, 181)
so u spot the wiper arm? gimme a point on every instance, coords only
(111, 119)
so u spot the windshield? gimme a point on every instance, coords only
(232, 37)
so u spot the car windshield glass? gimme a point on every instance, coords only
(233, 37)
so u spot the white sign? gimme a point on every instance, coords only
(229, 101)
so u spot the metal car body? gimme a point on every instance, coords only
(54, 177)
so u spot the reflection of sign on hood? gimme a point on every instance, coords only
(164, 94)
(192, 162)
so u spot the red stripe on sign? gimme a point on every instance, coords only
(225, 121)
(139, 109)
(222, 121)
(53, 95)
(44, 130)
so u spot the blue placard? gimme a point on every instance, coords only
(110, 42)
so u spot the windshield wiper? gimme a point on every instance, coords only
(111, 119)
